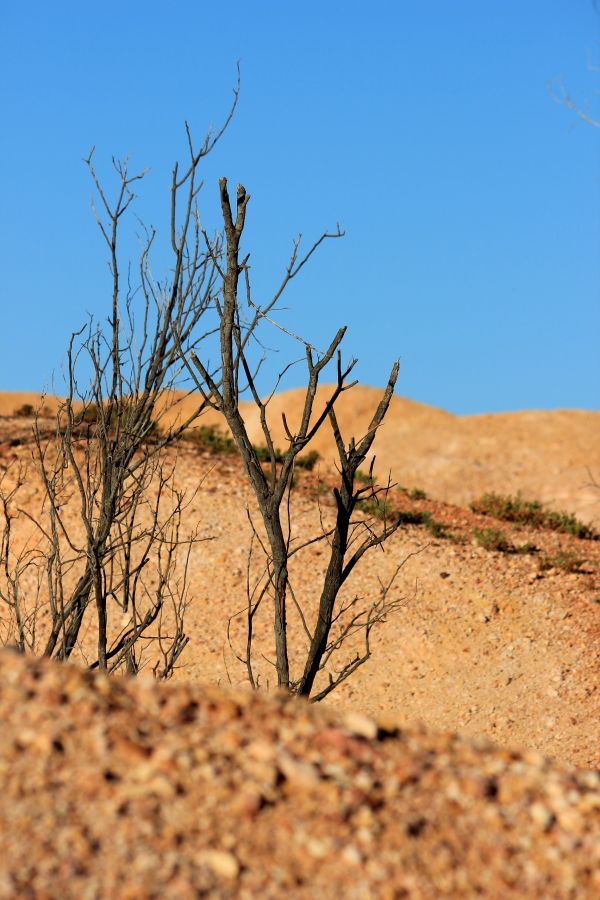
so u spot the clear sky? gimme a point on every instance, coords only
(469, 198)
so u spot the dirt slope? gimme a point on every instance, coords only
(118, 788)
(549, 456)
(11, 401)
(128, 789)
(486, 643)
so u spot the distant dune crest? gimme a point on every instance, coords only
(551, 456)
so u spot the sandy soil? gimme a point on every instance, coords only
(124, 788)
(488, 645)
(549, 456)
(485, 643)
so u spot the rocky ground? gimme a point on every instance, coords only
(125, 788)
(130, 789)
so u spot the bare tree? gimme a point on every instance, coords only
(560, 94)
(124, 553)
(111, 459)
(348, 540)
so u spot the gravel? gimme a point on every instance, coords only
(127, 788)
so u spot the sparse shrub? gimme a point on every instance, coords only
(379, 509)
(527, 548)
(263, 454)
(437, 529)
(319, 489)
(119, 414)
(567, 523)
(410, 517)
(532, 513)
(413, 517)
(417, 494)
(89, 415)
(493, 539)
(308, 461)
(364, 477)
(382, 510)
(210, 438)
(26, 411)
(564, 559)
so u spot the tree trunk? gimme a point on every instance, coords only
(280, 580)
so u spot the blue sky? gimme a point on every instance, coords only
(469, 198)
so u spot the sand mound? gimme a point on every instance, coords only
(501, 645)
(13, 402)
(126, 788)
(548, 456)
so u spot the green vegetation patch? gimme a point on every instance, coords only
(210, 438)
(382, 509)
(494, 539)
(565, 560)
(305, 461)
(117, 416)
(379, 509)
(308, 460)
(26, 411)
(364, 477)
(532, 513)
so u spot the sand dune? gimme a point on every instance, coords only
(110, 786)
(550, 456)
(547, 455)
(13, 401)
